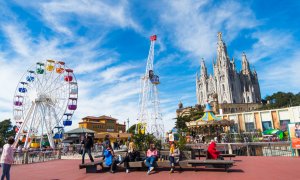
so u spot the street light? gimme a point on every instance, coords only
(127, 124)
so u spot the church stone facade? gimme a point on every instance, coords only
(227, 84)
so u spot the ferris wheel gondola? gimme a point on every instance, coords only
(45, 98)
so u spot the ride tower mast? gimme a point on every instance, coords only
(149, 116)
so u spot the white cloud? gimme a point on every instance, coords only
(269, 44)
(88, 67)
(283, 75)
(193, 25)
(116, 73)
(60, 14)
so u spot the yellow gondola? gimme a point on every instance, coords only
(50, 65)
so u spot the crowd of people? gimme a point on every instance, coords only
(109, 157)
(132, 154)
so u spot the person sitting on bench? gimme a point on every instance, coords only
(109, 158)
(131, 156)
(151, 157)
(173, 155)
(212, 153)
(105, 142)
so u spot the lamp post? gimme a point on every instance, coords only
(127, 124)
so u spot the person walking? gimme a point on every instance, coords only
(173, 156)
(7, 158)
(87, 145)
(151, 157)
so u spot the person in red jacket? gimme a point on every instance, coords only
(212, 153)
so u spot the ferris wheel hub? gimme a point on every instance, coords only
(44, 98)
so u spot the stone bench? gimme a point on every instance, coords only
(91, 167)
(223, 155)
(226, 164)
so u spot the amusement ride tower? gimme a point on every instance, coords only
(149, 116)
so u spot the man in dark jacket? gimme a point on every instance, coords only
(87, 144)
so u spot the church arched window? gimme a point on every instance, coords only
(223, 86)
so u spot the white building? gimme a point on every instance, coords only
(230, 85)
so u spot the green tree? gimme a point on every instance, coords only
(132, 129)
(142, 141)
(195, 113)
(281, 99)
(6, 130)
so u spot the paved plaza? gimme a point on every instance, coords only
(245, 168)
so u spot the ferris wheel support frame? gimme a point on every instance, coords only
(149, 100)
(22, 127)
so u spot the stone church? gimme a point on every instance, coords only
(227, 84)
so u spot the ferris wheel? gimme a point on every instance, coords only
(45, 98)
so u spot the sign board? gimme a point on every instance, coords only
(294, 133)
(171, 137)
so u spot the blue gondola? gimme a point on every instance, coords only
(30, 78)
(67, 123)
(57, 136)
(22, 90)
(154, 79)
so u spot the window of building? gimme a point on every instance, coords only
(249, 126)
(266, 125)
(284, 124)
(234, 128)
(223, 86)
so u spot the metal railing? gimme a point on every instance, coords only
(248, 149)
(34, 156)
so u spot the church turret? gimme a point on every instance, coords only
(233, 64)
(245, 65)
(180, 105)
(203, 68)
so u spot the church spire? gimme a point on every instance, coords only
(233, 64)
(245, 65)
(220, 36)
(203, 68)
(222, 56)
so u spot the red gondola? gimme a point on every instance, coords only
(69, 76)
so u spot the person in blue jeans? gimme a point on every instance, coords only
(7, 158)
(151, 158)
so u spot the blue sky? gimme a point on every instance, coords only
(107, 43)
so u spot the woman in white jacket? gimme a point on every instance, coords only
(7, 158)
